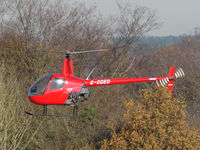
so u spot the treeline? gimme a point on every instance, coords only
(60, 26)
(156, 42)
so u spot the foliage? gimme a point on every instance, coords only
(88, 116)
(16, 131)
(155, 121)
(18, 59)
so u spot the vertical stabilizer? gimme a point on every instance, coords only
(171, 78)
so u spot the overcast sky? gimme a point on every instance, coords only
(179, 16)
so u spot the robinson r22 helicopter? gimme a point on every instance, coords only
(66, 89)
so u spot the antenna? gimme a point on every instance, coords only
(90, 73)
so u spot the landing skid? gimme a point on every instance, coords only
(48, 115)
(75, 111)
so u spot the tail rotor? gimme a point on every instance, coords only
(168, 81)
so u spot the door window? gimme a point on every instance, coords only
(57, 83)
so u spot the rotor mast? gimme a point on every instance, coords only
(67, 69)
(68, 63)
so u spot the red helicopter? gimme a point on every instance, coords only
(66, 89)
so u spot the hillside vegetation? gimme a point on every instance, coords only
(154, 121)
(61, 26)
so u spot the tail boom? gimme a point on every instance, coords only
(101, 82)
(164, 81)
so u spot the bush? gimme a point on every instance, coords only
(155, 121)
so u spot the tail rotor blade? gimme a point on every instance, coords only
(165, 81)
(161, 82)
(179, 73)
(182, 71)
(157, 83)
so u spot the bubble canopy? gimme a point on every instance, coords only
(39, 87)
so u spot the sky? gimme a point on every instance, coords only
(179, 17)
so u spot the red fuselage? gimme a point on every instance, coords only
(58, 87)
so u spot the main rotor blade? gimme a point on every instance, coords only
(68, 52)
(89, 51)
(48, 51)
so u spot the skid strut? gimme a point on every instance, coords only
(75, 110)
(45, 109)
(54, 115)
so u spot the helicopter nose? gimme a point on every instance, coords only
(35, 99)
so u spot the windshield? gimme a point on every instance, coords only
(39, 87)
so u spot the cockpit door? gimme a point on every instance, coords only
(55, 92)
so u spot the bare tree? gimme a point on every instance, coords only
(56, 24)
(133, 23)
(34, 21)
(3, 11)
